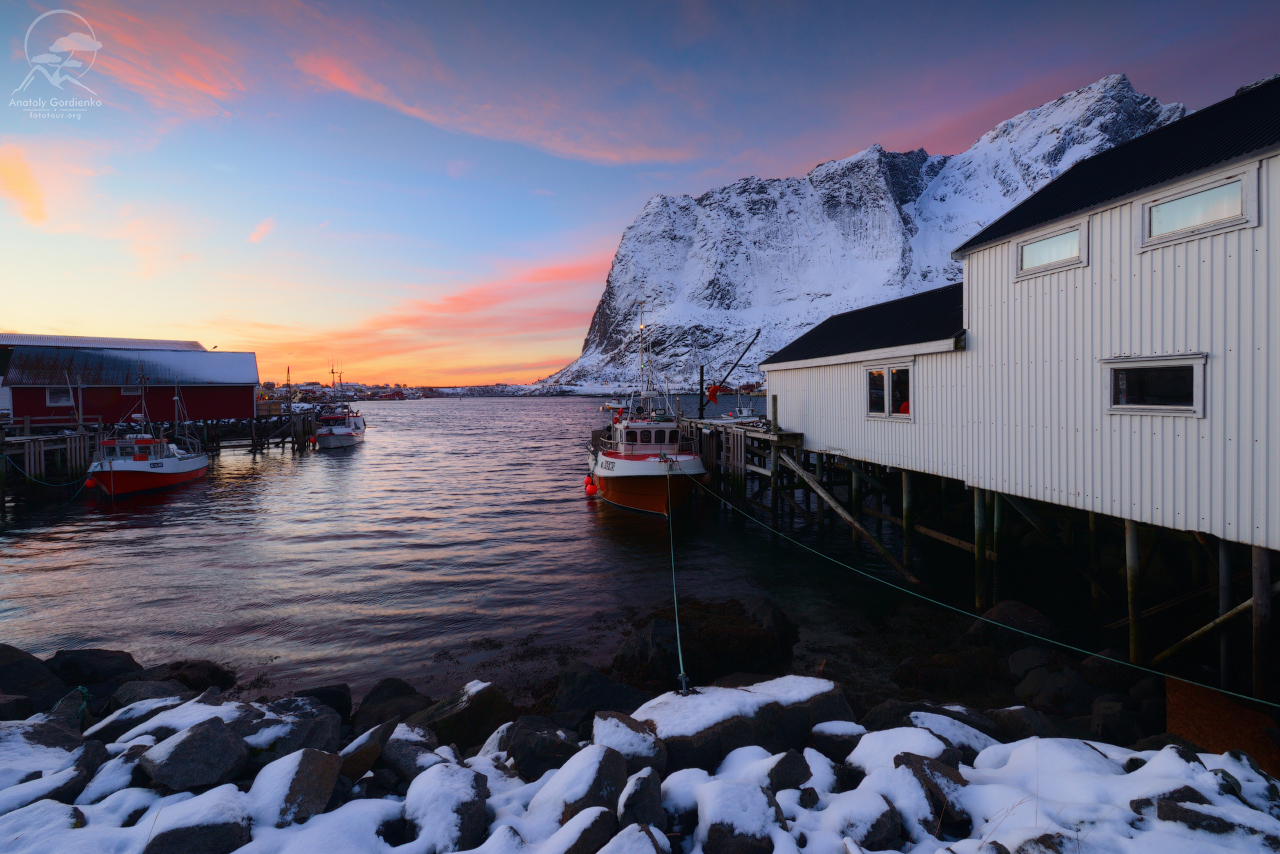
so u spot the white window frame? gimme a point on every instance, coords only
(1194, 360)
(1080, 224)
(889, 368)
(131, 390)
(48, 397)
(1246, 174)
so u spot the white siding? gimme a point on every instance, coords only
(1023, 410)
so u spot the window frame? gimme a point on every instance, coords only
(1196, 361)
(130, 390)
(1080, 224)
(1246, 174)
(889, 367)
(48, 397)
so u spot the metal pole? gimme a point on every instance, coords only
(1131, 563)
(702, 394)
(1224, 605)
(1261, 623)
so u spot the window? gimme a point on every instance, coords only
(131, 390)
(1213, 205)
(875, 392)
(631, 436)
(900, 383)
(109, 451)
(646, 437)
(659, 436)
(1051, 250)
(1156, 385)
(58, 397)
(889, 391)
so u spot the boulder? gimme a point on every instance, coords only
(409, 752)
(91, 666)
(83, 766)
(142, 689)
(1019, 722)
(15, 707)
(1025, 660)
(205, 754)
(1159, 742)
(336, 697)
(632, 739)
(358, 756)
(389, 698)
(895, 713)
(1064, 691)
(791, 771)
(63, 784)
(940, 783)
(1181, 795)
(636, 839)
(212, 823)
(305, 721)
(1115, 720)
(446, 803)
(1168, 809)
(868, 818)
(24, 675)
(583, 688)
(112, 775)
(949, 672)
(196, 674)
(72, 711)
(594, 777)
(641, 801)
(836, 739)
(1106, 672)
(1148, 688)
(735, 817)
(467, 716)
(122, 720)
(586, 833)
(534, 746)
(294, 788)
(1025, 624)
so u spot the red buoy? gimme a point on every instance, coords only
(591, 490)
(90, 483)
(586, 481)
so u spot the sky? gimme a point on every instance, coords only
(431, 193)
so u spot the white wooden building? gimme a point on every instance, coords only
(1115, 346)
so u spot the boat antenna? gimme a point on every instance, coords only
(740, 357)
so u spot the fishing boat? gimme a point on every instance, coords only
(339, 427)
(138, 461)
(640, 460)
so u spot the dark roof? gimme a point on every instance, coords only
(11, 339)
(60, 366)
(1245, 122)
(930, 316)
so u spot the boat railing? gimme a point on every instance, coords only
(684, 446)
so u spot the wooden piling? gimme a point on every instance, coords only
(981, 582)
(908, 520)
(1261, 623)
(1095, 563)
(996, 530)
(1224, 606)
(1131, 566)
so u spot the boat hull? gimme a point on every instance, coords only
(117, 480)
(646, 494)
(329, 441)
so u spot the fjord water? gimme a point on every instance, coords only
(456, 541)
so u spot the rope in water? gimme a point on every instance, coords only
(917, 594)
(41, 482)
(675, 601)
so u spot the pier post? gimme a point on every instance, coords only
(1261, 623)
(855, 489)
(702, 394)
(997, 545)
(1224, 605)
(1131, 565)
(820, 463)
(1095, 563)
(773, 422)
(774, 494)
(908, 520)
(981, 583)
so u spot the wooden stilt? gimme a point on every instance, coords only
(996, 528)
(855, 489)
(1261, 623)
(908, 520)
(1224, 606)
(981, 583)
(822, 479)
(1095, 563)
(1131, 566)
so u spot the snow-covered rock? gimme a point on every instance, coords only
(447, 803)
(783, 254)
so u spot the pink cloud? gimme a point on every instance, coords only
(262, 229)
(18, 184)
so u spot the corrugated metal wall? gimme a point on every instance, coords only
(1023, 410)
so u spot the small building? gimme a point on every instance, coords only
(1112, 348)
(57, 381)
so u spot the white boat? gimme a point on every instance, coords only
(740, 415)
(139, 462)
(340, 427)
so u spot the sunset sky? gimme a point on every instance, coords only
(431, 193)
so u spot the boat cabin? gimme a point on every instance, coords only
(135, 447)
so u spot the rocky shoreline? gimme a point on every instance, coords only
(988, 745)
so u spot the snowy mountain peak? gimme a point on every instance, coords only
(784, 254)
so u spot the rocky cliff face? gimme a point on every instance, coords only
(783, 254)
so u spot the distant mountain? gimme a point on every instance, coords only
(784, 254)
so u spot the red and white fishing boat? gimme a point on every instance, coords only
(340, 427)
(640, 460)
(139, 462)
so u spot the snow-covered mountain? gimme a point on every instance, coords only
(784, 254)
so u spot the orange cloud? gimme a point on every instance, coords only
(18, 184)
(262, 229)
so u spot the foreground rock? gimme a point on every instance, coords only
(467, 716)
(446, 804)
(205, 754)
(294, 788)
(24, 675)
(390, 698)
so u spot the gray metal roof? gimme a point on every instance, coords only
(57, 366)
(14, 339)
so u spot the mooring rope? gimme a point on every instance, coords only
(917, 594)
(675, 600)
(37, 480)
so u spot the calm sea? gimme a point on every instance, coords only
(456, 541)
